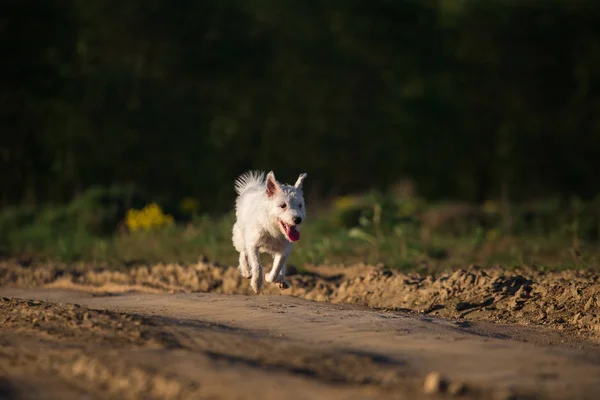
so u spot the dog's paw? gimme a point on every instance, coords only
(245, 273)
(256, 285)
(283, 284)
(279, 281)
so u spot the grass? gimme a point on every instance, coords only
(404, 233)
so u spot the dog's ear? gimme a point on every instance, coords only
(298, 184)
(272, 185)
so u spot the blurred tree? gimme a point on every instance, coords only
(468, 98)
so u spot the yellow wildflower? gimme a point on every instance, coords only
(151, 217)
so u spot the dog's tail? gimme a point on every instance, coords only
(248, 180)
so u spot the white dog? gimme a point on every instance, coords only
(268, 218)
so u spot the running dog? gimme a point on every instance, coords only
(268, 217)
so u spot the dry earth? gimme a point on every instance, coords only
(197, 331)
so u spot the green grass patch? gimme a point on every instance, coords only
(407, 234)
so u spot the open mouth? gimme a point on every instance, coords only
(290, 231)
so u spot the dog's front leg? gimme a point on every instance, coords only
(244, 267)
(277, 274)
(257, 270)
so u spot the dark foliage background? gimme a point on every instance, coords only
(470, 99)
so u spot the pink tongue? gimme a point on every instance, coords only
(293, 234)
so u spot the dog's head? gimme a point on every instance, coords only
(287, 209)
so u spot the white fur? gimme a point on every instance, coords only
(258, 227)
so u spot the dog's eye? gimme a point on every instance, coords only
(299, 205)
(283, 205)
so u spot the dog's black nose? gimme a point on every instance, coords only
(297, 220)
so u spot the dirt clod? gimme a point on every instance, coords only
(457, 388)
(435, 383)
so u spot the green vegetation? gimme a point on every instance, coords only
(401, 232)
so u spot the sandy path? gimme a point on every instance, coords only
(235, 346)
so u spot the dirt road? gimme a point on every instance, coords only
(172, 331)
(62, 344)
